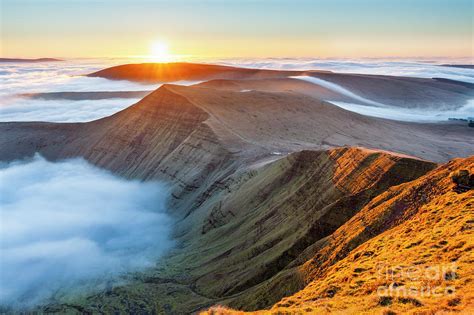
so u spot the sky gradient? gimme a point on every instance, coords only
(317, 28)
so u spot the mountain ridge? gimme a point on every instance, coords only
(259, 181)
(425, 222)
(406, 92)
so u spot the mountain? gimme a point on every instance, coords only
(177, 71)
(248, 125)
(29, 60)
(459, 66)
(408, 250)
(261, 181)
(395, 91)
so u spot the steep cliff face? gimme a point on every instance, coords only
(408, 250)
(146, 133)
(121, 142)
(163, 136)
(275, 216)
(259, 225)
(241, 238)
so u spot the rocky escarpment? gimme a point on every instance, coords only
(162, 136)
(253, 225)
(256, 185)
(409, 250)
(287, 206)
(209, 127)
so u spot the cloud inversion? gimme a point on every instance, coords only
(66, 225)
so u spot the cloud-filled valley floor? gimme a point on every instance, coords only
(71, 225)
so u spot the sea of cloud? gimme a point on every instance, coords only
(367, 107)
(410, 68)
(71, 226)
(68, 76)
(62, 76)
(26, 109)
(338, 89)
(409, 114)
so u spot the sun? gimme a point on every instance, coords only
(159, 52)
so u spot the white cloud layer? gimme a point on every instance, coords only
(409, 114)
(26, 109)
(70, 226)
(410, 68)
(370, 108)
(18, 78)
(338, 89)
(63, 76)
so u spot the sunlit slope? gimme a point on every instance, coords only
(133, 143)
(259, 226)
(295, 194)
(178, 71)
(408, 250)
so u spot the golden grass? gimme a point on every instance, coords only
(414, 254)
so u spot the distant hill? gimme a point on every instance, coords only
(459, 66)
(29, 60)
(177, 71)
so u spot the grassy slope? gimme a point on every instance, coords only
(246, 235)
(414, 227)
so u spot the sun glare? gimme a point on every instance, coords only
(159, 52)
